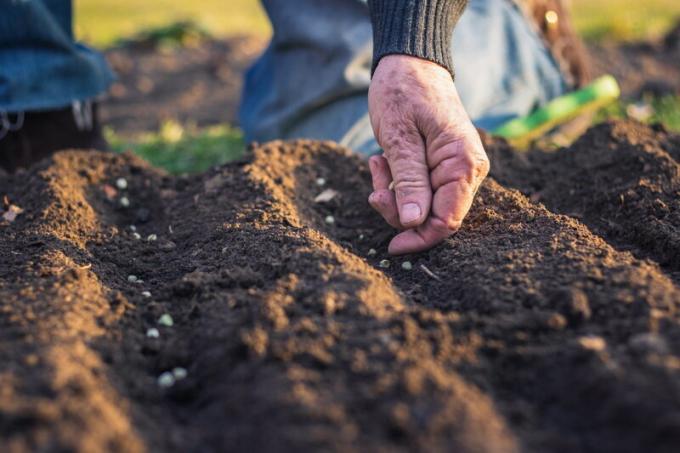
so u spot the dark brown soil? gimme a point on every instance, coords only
(643, 67)
(622, 179)
(527, 331)
(200, 84)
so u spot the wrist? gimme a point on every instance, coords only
(400, 69)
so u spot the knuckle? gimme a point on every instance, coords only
(457, 168)
(446, 226)
(407, 186)
(409, 182)
(391, 141)
(410, 179)
(448, 136)
(402, 153)
(449, 166)
(400, 141)
(379, 199)
(468, 166)
(441, 226)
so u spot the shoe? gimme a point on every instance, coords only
(28, 137)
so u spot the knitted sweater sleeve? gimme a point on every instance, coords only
(420, 28)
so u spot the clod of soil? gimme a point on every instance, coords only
(533, 329)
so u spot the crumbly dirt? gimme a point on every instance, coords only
(641, 68)
(199, 84)
(544, 325)
(622, 179)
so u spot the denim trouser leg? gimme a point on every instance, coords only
(313, 79)
(41, 66)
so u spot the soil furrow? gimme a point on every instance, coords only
(526, 331)
(622, 179)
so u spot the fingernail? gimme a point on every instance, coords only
(410, 212)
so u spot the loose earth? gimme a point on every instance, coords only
(548, 323)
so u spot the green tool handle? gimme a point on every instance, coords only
(600, 93)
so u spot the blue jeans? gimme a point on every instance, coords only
(312, 81)
(41, 66)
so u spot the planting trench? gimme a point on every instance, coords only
(548, 323)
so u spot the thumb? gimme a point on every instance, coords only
(411, 176)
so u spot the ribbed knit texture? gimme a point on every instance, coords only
(420, 28)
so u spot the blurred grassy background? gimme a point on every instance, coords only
(102, 22)
(181, 148)
(625, 20)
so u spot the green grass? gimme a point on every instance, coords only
(668, 112)
(104, 22)
(181, 149)
(625, 20)
(664, 110)
(172, 35)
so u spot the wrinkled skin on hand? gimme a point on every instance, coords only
(432, 152)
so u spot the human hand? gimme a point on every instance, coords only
(432, 152)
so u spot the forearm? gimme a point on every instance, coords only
(420, 28)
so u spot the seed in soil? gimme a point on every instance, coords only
(592, 343)
(330, 220)
(361, 237)
(132, 278)
(406, 265)
(153, 333)
(166, 320)
(136, 236)
(384, 264)
(372, 252)
(146, 294)
(166, 380)
(326, 196)
(124, 202)
(12, 213)
(320, 182)
(179, 373)
(133, 228)
(121, 183)
(151, 237)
